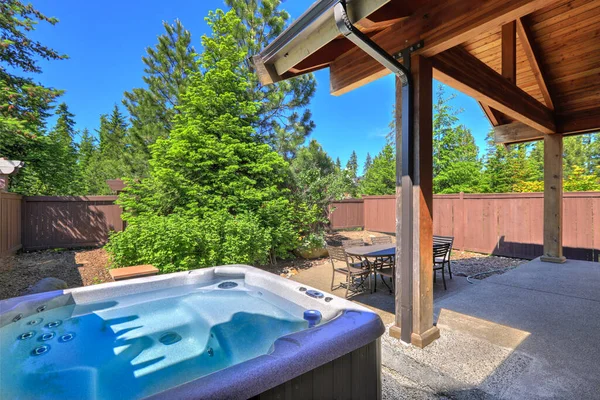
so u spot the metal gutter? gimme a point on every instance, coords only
(317, 10)
(404, 290)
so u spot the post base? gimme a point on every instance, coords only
(425, 338)
(418, 340)
(556, 260)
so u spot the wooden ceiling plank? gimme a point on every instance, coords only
(579, 122)
(534, 60)
(442, 24)
(575, 12)
(459, 69)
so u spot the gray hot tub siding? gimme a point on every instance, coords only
(340, 356)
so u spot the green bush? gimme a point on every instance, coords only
(178, 243)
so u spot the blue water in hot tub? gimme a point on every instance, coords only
(138, 345)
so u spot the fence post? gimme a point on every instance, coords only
(461, 197)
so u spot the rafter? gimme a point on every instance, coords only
(534, 60)
(509, 52)
(461, 70)
(442, 24)
(494, 116)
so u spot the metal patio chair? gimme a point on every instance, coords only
(446, 259)
(352, 243)
(385, 266)
(351, 271)
(439, 254)
(381, 240)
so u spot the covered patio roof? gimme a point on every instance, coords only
(532, 65)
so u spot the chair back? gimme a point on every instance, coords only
(352, 243)
(381, 240)
(337, 253)
(442, 240)
(441, 250)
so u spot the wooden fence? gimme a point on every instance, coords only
(10, 223)
(502, 224)
(54, 222)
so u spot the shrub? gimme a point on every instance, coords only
(178, 243)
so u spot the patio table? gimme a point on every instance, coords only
(375, 251)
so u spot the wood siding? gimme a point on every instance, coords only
(501, 224)
(55, 222)
(10, 223)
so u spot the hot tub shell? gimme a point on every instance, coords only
(338, 358)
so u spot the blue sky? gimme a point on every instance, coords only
(106, 40)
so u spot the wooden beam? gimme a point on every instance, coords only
(533, 56)
(509, 52)
(553, 198)
(491, 114)
(442, 24)
(515, 132)
(579, 122)
(458, 68)
(423, 332)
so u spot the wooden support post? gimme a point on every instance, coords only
(423, 332)
(553, 198)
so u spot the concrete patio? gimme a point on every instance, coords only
(530, 333)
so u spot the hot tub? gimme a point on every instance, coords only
(231, 332)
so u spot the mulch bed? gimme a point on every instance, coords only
(76, 267)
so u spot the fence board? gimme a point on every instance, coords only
(52, 222)
(10, 223)
(507, 224)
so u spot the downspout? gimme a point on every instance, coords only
(353, 34)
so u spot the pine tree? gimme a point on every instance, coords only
(64, 171)
(284, 121)
(87, 158)
(153, 107)
(380, 178)
(212, 185)
(368, 163)
(338, 163)
(352, 164)
(25, 104)
(456, 166)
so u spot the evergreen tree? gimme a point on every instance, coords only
(456, 167)
(284, 121)
(87, 160)
(63, 169)
(380, 178)
(338, 163)
(25, 104)
(214, 191)
(505, 166)
(317, 180)
(110, 159)
(352, 164)
(153, 107)
(368, 163)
